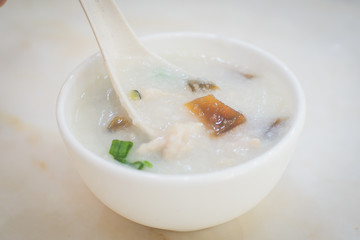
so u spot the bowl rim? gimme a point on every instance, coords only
(226, 173)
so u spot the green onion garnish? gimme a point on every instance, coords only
(148, 164)
(134, 95)
(138, 164)
(120, 149)
(162, 73)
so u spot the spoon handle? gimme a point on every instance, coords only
(111, 30)
(117, 43)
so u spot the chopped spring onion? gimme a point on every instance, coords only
(162, 73)
(140, 165)
(120, 149)
(134, 95)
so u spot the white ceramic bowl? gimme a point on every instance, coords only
(183, 202)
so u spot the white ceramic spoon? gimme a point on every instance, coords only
(119, 45)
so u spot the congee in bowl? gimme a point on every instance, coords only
(224, 137)
(232, 111)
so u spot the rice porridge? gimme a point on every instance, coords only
(228, 114)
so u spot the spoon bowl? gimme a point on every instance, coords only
(122, 51)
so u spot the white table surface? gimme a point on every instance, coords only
(43, 197)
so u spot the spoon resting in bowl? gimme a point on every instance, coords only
(131, 67)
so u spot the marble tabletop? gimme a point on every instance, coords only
(42, 195)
